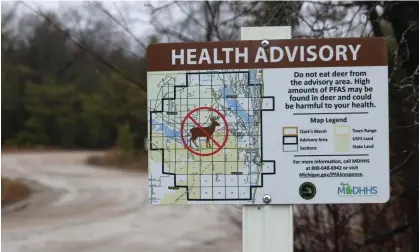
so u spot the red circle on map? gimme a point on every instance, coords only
(188, 116)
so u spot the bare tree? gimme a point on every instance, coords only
(393, 226)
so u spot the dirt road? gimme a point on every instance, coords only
(80, 208)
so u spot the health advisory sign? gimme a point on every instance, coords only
(305, 121)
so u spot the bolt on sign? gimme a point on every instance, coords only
(304, 121)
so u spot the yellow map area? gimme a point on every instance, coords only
(228, 162)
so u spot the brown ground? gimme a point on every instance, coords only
(135, 161)
(12, 191)
(13, 149)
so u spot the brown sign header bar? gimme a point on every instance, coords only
(247, 54)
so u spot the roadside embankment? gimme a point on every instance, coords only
(133, 161)
(13, 191)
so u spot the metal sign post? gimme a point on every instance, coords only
(267, 228)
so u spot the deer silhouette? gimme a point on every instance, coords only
(197, 132)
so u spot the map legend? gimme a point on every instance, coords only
(289, 139)
(342, 138)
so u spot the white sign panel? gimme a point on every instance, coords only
(303, 121)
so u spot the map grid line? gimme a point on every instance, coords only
(250, 138)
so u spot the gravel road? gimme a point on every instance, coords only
(80, 208)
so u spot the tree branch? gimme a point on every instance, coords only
(386, 236)
(85, 49)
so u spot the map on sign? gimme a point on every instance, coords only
(205, 136)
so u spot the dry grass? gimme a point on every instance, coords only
(136, 161)
(24, 150)
(38, 149)
(13, 191)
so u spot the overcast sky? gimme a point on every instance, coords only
(137, 15)
(129, 9)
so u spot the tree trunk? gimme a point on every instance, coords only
(404, 17)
